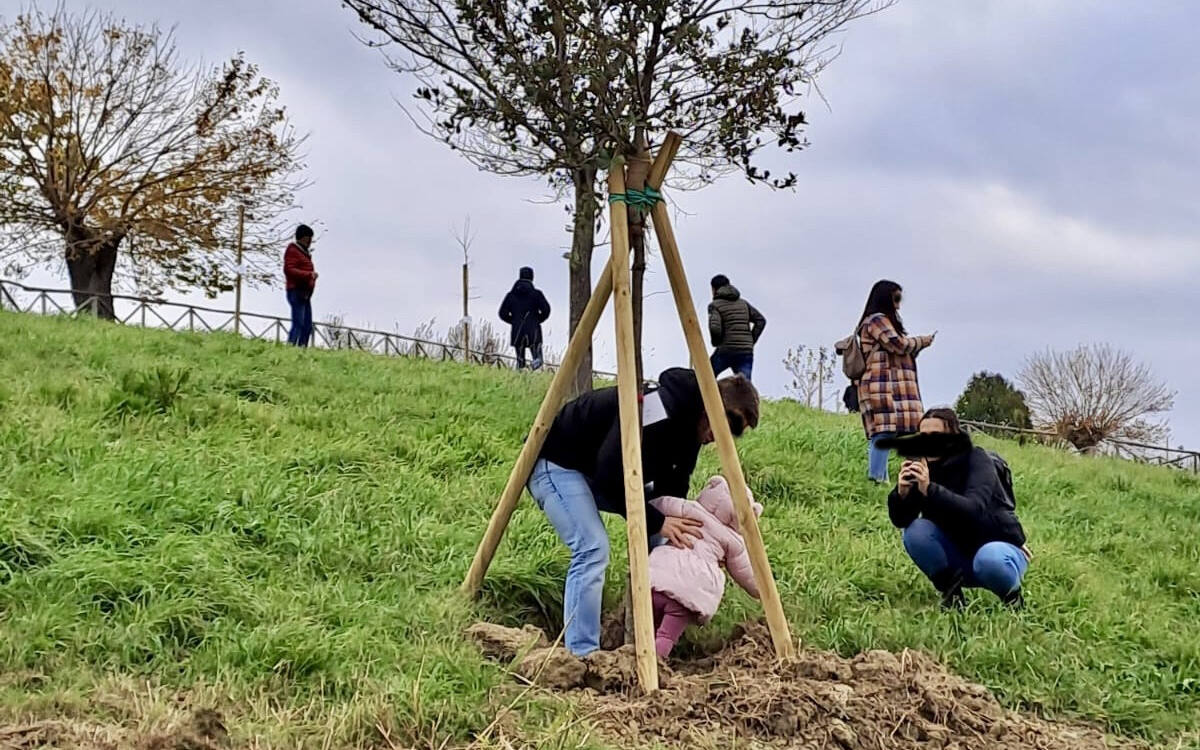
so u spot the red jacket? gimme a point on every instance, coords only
(298, 270)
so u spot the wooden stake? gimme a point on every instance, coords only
(560, 386)
(821, 379)
(730, 465)
(631, 436)
(237, 299)
(466, 284)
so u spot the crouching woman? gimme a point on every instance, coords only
(960, 523)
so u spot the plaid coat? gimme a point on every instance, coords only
(888, 394)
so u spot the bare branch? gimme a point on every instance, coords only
(1094, 393)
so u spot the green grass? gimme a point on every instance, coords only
(283, 532)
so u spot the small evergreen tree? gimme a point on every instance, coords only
(990, 398)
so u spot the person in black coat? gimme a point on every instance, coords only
(525, 308)
(960, 525)
(579, 474)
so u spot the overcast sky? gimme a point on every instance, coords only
(1026, 169)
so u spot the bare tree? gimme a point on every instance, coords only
(811, 370)
(1095, 393)
(109, 143)
(556, 88)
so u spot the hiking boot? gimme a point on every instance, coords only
(1014, 600)
(950, 584)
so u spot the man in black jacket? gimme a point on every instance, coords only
(525, 308)
(579, 474)
(734, 326)
(960, 524)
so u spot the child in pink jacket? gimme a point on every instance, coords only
(687, 584)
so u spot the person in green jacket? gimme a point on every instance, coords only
(734, 326)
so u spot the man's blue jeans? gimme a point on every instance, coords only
(302, 322)
(742, 363)
(877, 458)
(997, 566)
(566, 499)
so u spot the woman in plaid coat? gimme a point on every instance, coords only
(888, 395)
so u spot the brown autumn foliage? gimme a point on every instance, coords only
(125, 162)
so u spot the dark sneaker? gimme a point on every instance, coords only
(1014, 600)
(954, 599)
(950, 584)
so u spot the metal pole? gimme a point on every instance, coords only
(237, 298)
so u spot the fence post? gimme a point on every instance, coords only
(237, 298)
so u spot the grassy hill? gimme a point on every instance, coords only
(280, 533)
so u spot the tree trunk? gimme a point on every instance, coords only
(635, 179)
(91, 262)
(583, 239)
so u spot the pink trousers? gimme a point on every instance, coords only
(670, 620)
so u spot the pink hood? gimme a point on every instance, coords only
(695, 577)
(717, 499)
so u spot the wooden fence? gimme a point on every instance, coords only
(178, 316)
(1158, 455)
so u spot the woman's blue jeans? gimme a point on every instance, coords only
(877, 458)
(997, 566)
(566, 498)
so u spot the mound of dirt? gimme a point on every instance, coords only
(742, 696)
(202, 730)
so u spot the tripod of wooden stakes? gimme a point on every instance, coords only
(615, 282)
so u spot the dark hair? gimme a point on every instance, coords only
(740, 398)
(719, 281)
(883, 300)
(525, 273)
(953, 426)
(303, 231)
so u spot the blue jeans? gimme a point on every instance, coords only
(742, 363)
(997, 566)
(566, 499)
(877, 458)
(302, 322)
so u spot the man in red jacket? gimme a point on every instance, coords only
(301, 278)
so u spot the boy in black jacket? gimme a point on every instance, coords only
(579, 473)
(960, 525)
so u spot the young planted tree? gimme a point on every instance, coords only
(812, 372)
(990, 398)
(121, 161)
(1095, 393)
(556, 88)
